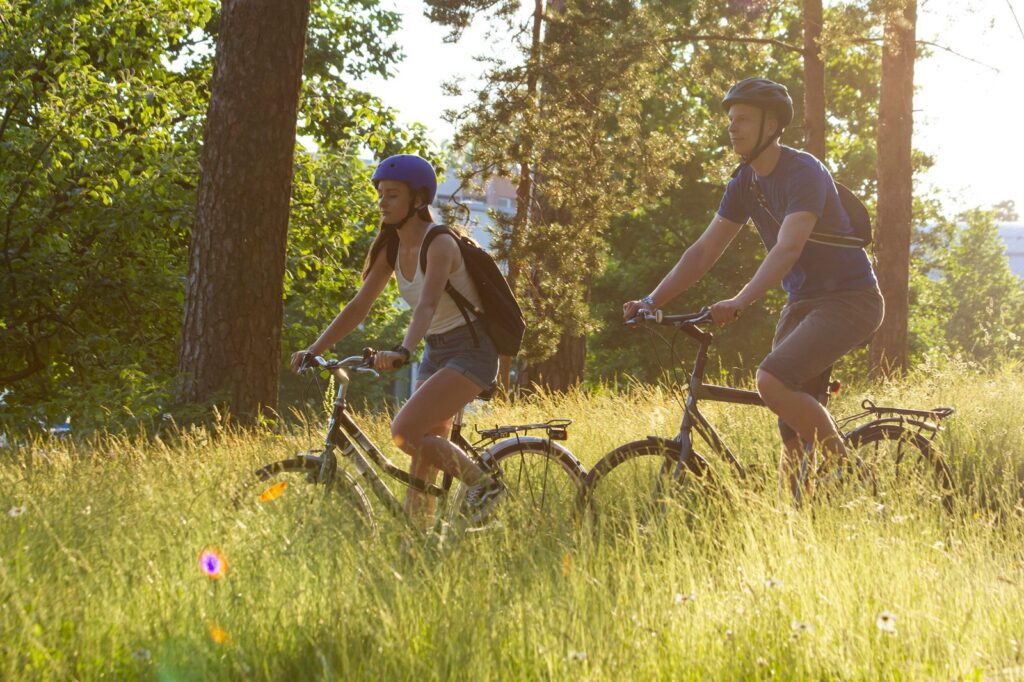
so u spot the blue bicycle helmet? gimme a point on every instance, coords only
(411, 169)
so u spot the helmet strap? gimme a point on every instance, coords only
(761, 146)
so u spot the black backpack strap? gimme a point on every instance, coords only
(839, 240)
(461, 302)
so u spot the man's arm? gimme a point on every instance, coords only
(693, 264)
(793, 234)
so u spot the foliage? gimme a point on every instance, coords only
(968, 301)
(101, 113)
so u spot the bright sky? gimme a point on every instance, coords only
(968, 115)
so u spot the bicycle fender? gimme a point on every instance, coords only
(890, 421)
(513, 441)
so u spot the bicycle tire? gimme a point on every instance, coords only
(289, 488)
(901, 460)
(631, 487)
(542, 477)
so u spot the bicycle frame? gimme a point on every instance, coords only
(345, 435)
(698, 390)
(693, 419)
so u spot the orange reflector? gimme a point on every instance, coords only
(273, 492)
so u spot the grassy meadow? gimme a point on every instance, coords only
(100, 577)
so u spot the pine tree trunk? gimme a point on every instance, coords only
(565, 368)
(814, 81)
(895, 187)
(231, 335)
(561, 371)
(524, 189)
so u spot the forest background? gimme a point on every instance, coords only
(614, 107)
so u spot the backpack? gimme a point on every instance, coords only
(501, 314)
(860, 219)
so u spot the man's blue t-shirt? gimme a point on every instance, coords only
(800, 182)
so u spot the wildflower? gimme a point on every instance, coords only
(218, 634)
(273, 492)
(761, 662)
(886, 622)
(213, 563)
(799, 628)
(579, 656)
(681, 598)
(939, 545)
(14, 512)
(730, 635)
(566, 565)
(141, 655)
(772, 583)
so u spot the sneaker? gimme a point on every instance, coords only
(481, 498)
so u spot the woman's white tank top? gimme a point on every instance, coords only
(447, 315)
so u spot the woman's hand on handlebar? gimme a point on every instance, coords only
(298, 358)
(386, 360)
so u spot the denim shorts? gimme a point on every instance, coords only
(456, 350)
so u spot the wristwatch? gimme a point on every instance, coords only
(648, 300)
(404, 352)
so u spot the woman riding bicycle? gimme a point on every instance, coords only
(834, 303)
(457, 364)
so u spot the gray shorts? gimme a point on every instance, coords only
(456, 350)
(813, 333)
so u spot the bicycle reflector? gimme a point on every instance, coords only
(558, 432)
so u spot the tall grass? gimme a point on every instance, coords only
(100, 577)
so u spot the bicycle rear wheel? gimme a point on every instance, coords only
(288, 495)
(640, 485)
(542, 479)
(902, 463)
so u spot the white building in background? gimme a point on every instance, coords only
(1013, 235)
(498, 195)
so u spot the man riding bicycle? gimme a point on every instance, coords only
(834, 304)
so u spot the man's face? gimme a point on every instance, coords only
(745, 127)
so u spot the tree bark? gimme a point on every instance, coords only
(565, 368)
(524, 189)
(814, 80)
(231, 334)
(895, 186)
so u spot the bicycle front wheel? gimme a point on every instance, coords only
(639, 485)
(542, 479)
(294, 501)
(903, 464)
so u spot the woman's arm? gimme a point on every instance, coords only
(353, 313)
(442, 258)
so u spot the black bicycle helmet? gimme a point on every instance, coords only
(764, 94)
(767, 96)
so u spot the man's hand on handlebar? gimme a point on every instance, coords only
(726, 311)
(630, 309)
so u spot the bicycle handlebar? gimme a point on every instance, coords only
(361, 363)
(659, 317)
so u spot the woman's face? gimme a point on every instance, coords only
(393, 200)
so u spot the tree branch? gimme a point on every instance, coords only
(702, 37)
